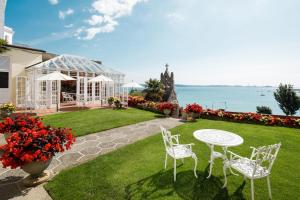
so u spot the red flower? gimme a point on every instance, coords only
(47, 146)
(193, 108)
(165, 106)
(32, 141)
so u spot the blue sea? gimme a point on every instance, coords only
(230, 98)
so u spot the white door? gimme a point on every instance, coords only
(80, 90)
(22, 92)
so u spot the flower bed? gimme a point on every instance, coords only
(270, 120)
(133, 101)
(149, 106)
(165, 106)
(157, 107)
(31, 141)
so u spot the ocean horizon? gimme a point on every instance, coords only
(230, 98)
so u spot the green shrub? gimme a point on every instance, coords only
(264, 110)
(110, 101)
(118, 103)
(136, 93)
(3, 47)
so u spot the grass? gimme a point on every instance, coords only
(96, 120)
(136, 171)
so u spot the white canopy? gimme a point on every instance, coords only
(132, 85)
(101, 78)
(56, 76)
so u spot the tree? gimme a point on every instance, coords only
(287, 99)
(3, 47)
(153, 90)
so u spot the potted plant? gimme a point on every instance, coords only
(118, 103)
(32, 149)
(194, 110)
(7, 109)
(184, 115)
(21, 122)
(110, 101)
(166, 108)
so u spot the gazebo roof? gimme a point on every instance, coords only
(75, 63)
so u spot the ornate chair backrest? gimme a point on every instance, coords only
(167, 137)
(265, 156)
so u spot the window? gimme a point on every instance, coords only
(4, 79)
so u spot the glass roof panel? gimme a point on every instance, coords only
(61, 65)
(51, 65)
(76, 63)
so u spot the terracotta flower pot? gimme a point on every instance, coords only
(167, 112)
(36, 168)
(193, 116)
(184, 116)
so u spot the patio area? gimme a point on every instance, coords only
(137, 171)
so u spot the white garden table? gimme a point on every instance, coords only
(212, 138)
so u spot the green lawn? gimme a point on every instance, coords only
(136, 171)
(96, 120)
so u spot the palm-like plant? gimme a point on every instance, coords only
(3, 47)
(153, 90)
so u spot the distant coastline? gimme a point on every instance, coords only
(231, 98)
(183, 85)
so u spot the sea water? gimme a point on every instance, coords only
(230, 98)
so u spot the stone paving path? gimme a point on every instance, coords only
(86, 148)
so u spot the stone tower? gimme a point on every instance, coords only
(167, 80)
(2, 17)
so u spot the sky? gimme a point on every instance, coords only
(231, 42)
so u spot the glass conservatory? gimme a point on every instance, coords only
(35, 94)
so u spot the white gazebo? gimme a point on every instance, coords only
(127, 86)
(108, 83)
(32, 93)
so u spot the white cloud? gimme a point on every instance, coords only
(69, 26)
(107, 13)
(53, 2)
(107, 25)
(115, 8)
(175, 16)
(95, 20)
(64, 14)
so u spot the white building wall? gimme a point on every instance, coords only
(19, 59)
(2, 17)
(8, 34)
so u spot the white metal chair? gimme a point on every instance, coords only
(176, 150)
(258, 166)
(67, 97)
